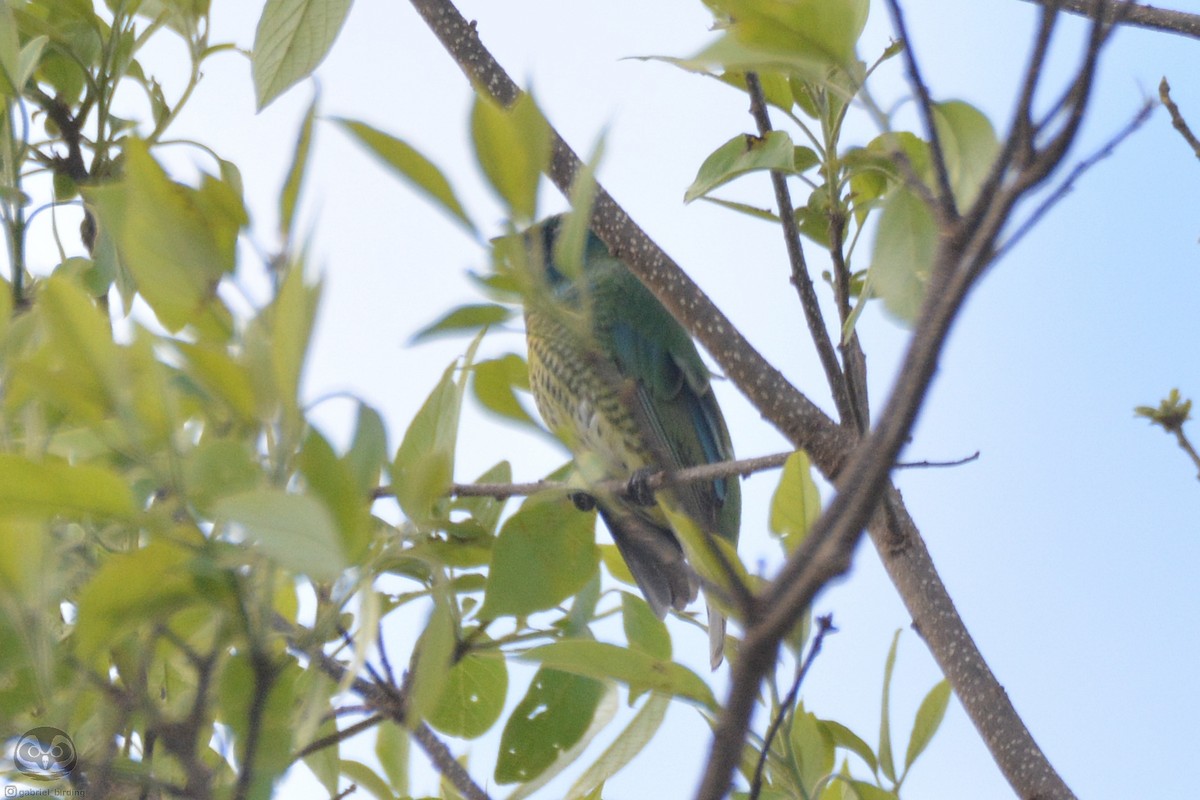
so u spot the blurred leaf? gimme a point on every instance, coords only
(462, 319)
(616, 565)
(817, 30)
(129, 588)
(473, 697)
(496, 383)
(970, 146)
(740, 155)
(392, 747)
(366, 778)
(424, 465)
(636, 669)
(551, 719)
(291, 318)
(217, 468)
(796, 503)
(886, 762)
(368, 452)
(905, 245)
(293, 37)
(848, 739)
(513, 147)
(643, 630)
(928, 719)
(174, 243)
(260, 703)
(625, 747)
(545, 553)
(813, 747)
(410, 166)
(433, 658)
(295, 178)
(55, 488)
(295, 530)
(331, 480)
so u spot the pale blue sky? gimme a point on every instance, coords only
(1070, 546)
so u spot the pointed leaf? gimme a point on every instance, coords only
(629, 743)
(52, 488)
(886, 762)
(410, 166)
(929, 718)
(463, 319)
(424, 464)
(513, 147)
(796, 503)
(292, 39)
(295, 178)
(742, 154)
(638, 670)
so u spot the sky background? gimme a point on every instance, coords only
(1070, 545)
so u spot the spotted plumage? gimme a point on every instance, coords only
(620, 382)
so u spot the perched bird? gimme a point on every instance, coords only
(620, 382)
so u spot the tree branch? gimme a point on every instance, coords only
(1134, 15)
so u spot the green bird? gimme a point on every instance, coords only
(620, 382)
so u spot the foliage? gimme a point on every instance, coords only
(167, 509)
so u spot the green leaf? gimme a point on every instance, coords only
(740, 155)
(643, 629)
(813, 746)
(292, 39)
(291, 319)
(392, 747)
(638, 670)
(368, 452)
(545, 553)
(295, 530)
(473, 697)
(220, 467)
(260, 704)
(796, 503)
(331, 480)
(366, 778)
(813, 30)
(55, 488)
(496, 384)
(848, 739)
(410, 166)
(551, 719)
(433, 659)
(290, 194)
(905, 245)
(10, 54)
(462, 319)
(886, 762)
(629, 743)
(969, 145)
(513, 148)
(424, 464)
(129, 588)
(175, 244)
(928, 719)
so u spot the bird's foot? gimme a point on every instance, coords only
(638, 489)
(582, 500)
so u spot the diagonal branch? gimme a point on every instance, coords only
(1136, 15)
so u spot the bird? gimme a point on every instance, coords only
(619, 381)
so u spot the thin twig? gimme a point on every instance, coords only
(809, 303)
(945, 207)
(1164, 94)
(958, 462)
(824, 626)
